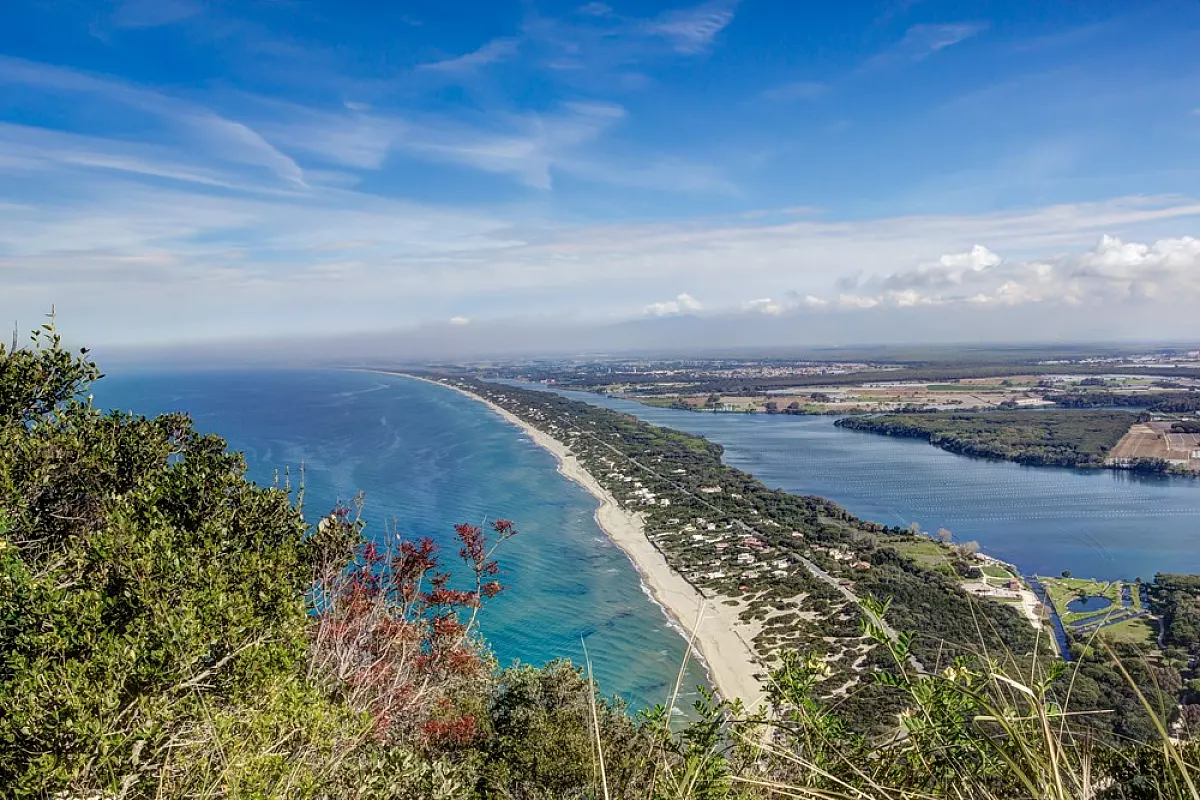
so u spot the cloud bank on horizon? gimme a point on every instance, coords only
(188, 171)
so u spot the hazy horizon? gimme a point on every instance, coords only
(422, 347)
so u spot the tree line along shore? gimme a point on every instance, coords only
(1083, 439)
(1080, 439)
(1125, 416)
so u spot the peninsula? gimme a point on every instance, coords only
(722, 641)
(774, 572)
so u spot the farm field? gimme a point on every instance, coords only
(1158, 440)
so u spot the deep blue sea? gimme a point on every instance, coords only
(427, 458)
(1096, 523)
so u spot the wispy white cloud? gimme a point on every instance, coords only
(692, 30)
(355, 138)
(153, 13)
(660, 174)
(460, 320)
(202, 129)
(31, 149)
(203, 146)
(530, 147)
(167, 234)
(598, 48)
(895, 8)
(493, 52)
(922, 41)
(594, 9)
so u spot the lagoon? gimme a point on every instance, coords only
(1103, 524)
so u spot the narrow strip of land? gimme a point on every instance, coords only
(715, 629)
(780, 572)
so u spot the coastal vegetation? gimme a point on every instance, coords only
(169, 629)
(1165, 402)
(1050, 438)
(737, 540)
(1177, 599)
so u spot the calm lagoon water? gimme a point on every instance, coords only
(1096, 523)
(427, 458)
(1081, 605)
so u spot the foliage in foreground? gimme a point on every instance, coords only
(169, 629)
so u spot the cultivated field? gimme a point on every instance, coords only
(1156, 440)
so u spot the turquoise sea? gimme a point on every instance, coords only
(427, 458)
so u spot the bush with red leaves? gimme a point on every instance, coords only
(389, 633)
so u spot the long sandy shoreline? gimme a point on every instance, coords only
(721, 639)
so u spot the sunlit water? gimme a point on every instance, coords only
(1096, 523)
(426, 458)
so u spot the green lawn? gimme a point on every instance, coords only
(923, 551)
(993, 571)
(1133, 631)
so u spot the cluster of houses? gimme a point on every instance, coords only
(638, 494)
(844, 556)
(720, 552)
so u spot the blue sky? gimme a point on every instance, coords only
(181, 170)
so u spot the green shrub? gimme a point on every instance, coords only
(144, 583)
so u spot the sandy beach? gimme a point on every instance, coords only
(721, 640)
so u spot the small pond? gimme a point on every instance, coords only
(1082, 605)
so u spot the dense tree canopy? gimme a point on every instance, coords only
(1043, 438)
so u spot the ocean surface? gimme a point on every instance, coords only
(426, 458)
(1096, 523)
